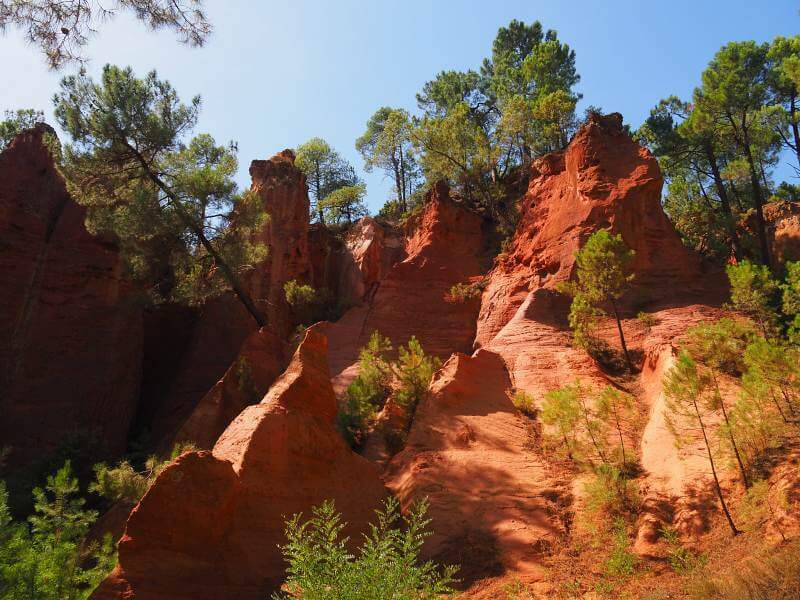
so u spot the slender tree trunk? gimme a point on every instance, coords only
(722, 192)
(585, 411)
(795, 129)
(622, 336)
(742, 470)
(621, 441)
(717, 486)
(758, 198)
(227, 272)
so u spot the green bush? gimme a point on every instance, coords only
(309, 305)
(366, 395)
(621, 562)
(680, 558)
(464, 292)
(47, 558)
(524, 403)
(414, 370)
(386, 565)
(124, 483)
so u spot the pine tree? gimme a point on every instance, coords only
(753, 293)
(603, 276)
(686, 388)
(128, 164)
(720, 346)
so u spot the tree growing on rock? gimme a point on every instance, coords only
(603, 276)
(345, 204)
(163, 199)
(753, 293)
(17, 121)
(720, 346)
(386, 145)
(325, 170)
(686, 388)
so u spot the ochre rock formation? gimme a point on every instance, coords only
(260, 361)
(223, 324)
(443, 247)
(783, 227)
(492, 502)
(70, 333)
(603, 179)
(351, 268)
(211, 524)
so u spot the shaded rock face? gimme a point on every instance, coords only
(603, 179)
(223, 324)
(211, 524)
(352, 268)
(260, 361)
(70, 332)
(443, 247)
(491, 499)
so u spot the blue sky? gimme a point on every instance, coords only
(276, 73)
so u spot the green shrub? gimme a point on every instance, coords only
(366, 395)
(609, 492)
(124, 483)
(646, 320)
(48, 557)
(464, 292)
(414, 370)
(524, 403)
(680, 558)
(621, 562)
(309, 305)
(386, 565)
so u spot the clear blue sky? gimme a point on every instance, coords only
(276, 73)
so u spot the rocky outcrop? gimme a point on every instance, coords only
(443, 247)
(211, 524)
(260, 361)
(603, 179)
(492, 502)
(70, 330)
(783, 227)
(223, 324)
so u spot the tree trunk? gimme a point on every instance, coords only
(739, 462)
(227, 272)
(795, 129)
(622, 336)
(717, 487)
(621, 440)
(722, 192)
(759, 202)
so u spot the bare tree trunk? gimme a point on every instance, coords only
(227, 272)
(723, 198)
(622, 336)
(739, 462)
(717, 486)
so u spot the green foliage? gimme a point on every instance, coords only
(464, 292)
(367, 393)
(386, 145)
(790, 300)
(245, 383)
(123, 483)
(604, 274)
(309, 305)
(62, 28)
(17, 121)
(386, 565)
(721, 344)
(610, 493)
(753, 293)
(413, 370)
(621, 562)
(680, 558)
(477, 127)
(524, 403)
(327, 171)
(48, 558)
(646, 320)
(170, 204)
(344, 204)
